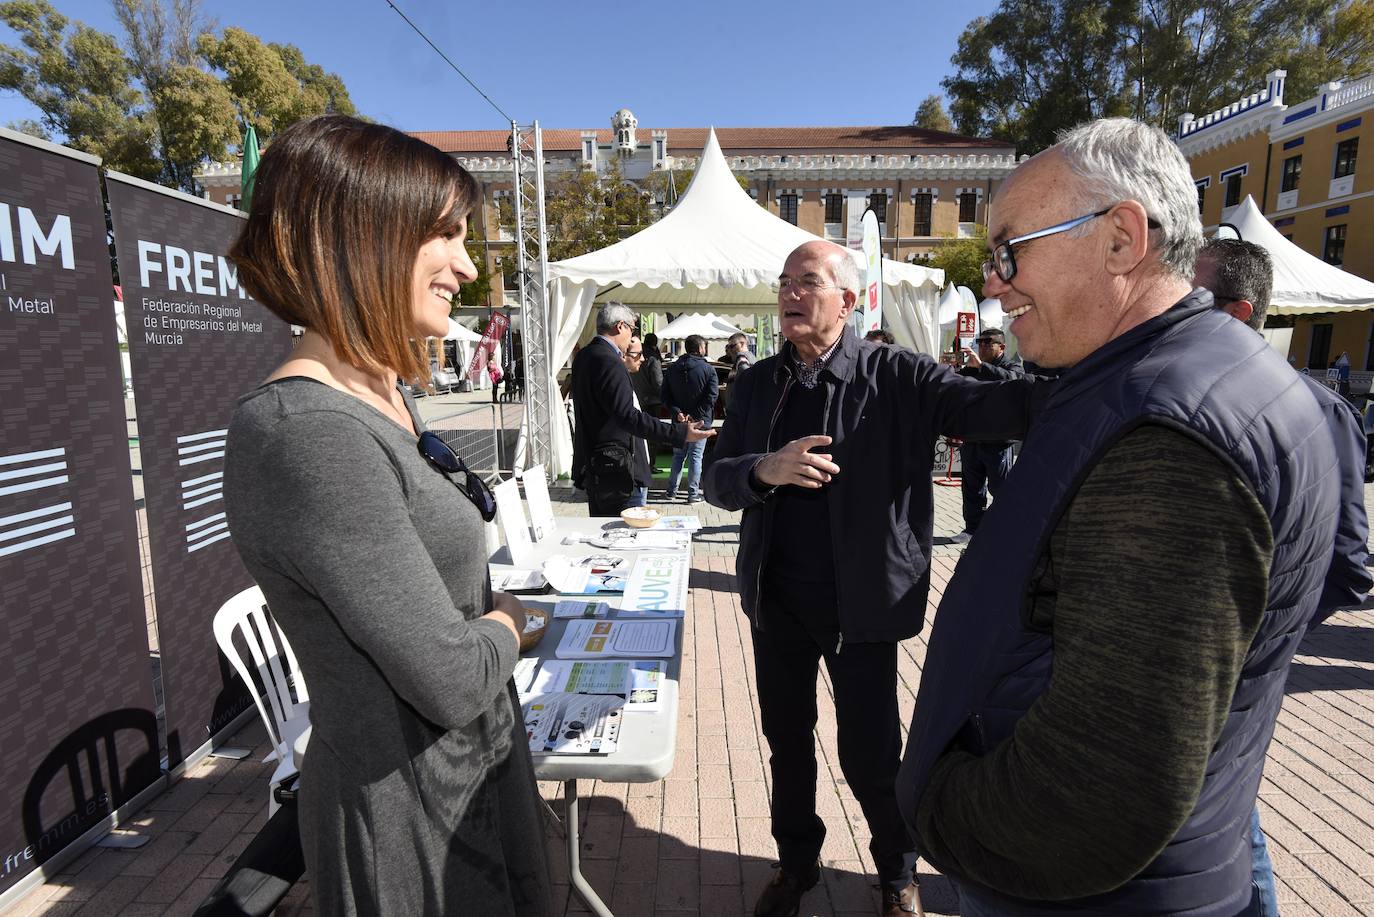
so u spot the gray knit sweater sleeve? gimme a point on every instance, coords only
(373, 561)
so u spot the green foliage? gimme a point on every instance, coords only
(931, 115)
(1036, 67)
(154, 105)
(585, 212)
(962, 260)
(476, 292)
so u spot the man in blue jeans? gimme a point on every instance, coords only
(1240, 276)
(689, 393)
(985, 465)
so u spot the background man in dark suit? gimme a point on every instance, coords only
(606, 462)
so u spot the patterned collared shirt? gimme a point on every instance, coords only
(808, 374)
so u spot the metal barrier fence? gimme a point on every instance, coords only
(478, 433)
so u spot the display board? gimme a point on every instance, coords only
(197, 342)
(78, 732)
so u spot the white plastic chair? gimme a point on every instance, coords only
(247, 614)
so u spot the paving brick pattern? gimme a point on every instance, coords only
(698, 842)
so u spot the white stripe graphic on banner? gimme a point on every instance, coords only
(192, 449)
(195, 437)
(31, 456)
(35, 526)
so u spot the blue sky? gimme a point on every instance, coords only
(572, 65)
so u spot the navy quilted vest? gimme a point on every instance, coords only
(1199, 371)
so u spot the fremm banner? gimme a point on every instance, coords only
(197, 342)
(78, 735)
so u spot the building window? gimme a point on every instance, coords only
(1201, 197)
(877, 202)
(787, 208)
(834, 208)
(1292, 172)
(233, 200)
(1345, 157)
(1319, 355)
(921, 204)
(1233, 189)
(1333, 249)
(968, 207)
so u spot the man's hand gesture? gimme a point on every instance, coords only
(793, 464)
(696, 434)
(971, 359)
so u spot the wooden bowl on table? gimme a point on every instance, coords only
(639, 517)
(536, 623)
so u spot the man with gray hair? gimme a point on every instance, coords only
(609, 460)
(828, 451)
(1240, 276)
(1108, 659)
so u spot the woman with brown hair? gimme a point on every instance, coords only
(364, 531)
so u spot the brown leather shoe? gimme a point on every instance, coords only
(782, 895)
(906, 901)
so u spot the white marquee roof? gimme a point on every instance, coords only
(709, 326)
(717, 247)
(1302, 282)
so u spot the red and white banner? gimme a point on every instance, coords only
(496, 329)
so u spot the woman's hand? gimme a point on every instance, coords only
(508, 610)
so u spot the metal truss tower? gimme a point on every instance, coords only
(531, 238)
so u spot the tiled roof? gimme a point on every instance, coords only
(733, 140)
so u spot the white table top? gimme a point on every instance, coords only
(648, 740)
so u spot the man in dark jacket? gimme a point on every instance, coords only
(607, 462)
(834, 545)
(1108, 659)
(985, 465)
(1240, 276)
(689, 391)
(648, 379)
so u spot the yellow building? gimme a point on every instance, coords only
(1301, 163)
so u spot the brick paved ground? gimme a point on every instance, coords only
(698, 842)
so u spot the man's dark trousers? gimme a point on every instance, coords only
(800, 621)
(985, 467)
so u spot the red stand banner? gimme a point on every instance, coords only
(496, 328)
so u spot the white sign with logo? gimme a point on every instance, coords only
(872, 300)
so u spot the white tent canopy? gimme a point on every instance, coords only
(1302, 282)
(457, 332)
(702, 323)
(716, 249)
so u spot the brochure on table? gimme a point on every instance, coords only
(542, 521)
(577, 608)
(628, 539)
(617, 639)
(505, 578)
(573, 724)
(638, 681)
(587, 575)
(657, 586)
(512, 515)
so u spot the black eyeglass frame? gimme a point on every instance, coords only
(1006, 251)
(441, 455)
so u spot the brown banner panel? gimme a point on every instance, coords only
(196, 342)
(78, 733)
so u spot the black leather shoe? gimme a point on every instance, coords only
(782, 895)
(906, 901)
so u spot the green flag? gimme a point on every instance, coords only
(248, 171)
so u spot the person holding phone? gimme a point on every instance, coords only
(364, 531)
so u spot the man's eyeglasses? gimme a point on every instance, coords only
(441, 456)
(800, 285)
(1003, 259)
(635, 354)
